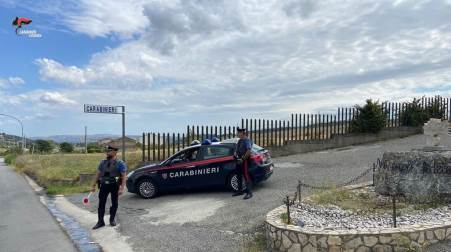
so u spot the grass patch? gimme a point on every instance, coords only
(10, 158)
(54, 189)
(366, 201)
(258, 244)
(47, 170)
(284, 218)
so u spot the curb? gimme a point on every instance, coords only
(80, 238)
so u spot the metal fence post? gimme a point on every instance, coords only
(153, 147)
(143, 147)
(288, 210)
(148, 146)
(299, 191)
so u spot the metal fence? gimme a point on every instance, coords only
(270, 133)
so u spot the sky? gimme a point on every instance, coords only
(202, 62)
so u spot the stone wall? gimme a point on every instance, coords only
(282, 237)
(337, 141)
(418, 175)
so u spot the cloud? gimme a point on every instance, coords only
(301, 8)
(202, 58)
(11, 81)
(56, 98)
(108, 69)
(50, 69)
(103, 17)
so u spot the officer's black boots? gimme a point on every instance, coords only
(112, 223)
(248, 196)
(99, 225)
(237, 193)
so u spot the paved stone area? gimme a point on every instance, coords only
(216, 221)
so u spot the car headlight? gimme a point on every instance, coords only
(130, 174)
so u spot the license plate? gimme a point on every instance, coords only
(271, 168)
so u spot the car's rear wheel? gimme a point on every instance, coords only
(232, 182)
(147, 188)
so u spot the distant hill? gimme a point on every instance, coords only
(79, 138)
(10, 140)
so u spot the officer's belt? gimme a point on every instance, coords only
(109, 180)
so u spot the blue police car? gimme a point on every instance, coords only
(200, 165)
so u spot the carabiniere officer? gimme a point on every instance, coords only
(242, 154)
(111, 176)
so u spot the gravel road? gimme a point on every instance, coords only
(216, 221)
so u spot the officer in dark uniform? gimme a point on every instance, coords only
(242, 154)
(111, 177)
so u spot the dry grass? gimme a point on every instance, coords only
(367, 202)
(47, 169)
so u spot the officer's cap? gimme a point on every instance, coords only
(241, 129)
(111, 148)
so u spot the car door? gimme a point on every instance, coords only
(214, 161)
(180, 167)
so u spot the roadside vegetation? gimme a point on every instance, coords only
(416, 114)
(369, 119)
(59, 173)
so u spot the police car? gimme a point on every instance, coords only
(200, 165)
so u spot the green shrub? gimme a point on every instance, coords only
(436, 109)
(43, 146)
(414, 114)
(369, 119)
(66, 147)
(10, 158)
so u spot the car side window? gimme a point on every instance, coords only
(216, 151)
(185, 156)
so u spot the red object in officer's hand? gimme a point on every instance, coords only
(86, 199)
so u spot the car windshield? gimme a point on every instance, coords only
(257, 148)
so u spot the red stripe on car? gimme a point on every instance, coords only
(196, 163)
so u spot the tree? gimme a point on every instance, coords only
(43, 146)
(370, 118)
(66, 147)
(414, 114)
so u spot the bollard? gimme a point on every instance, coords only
(299, 191)
(374, 170)
(288, 210)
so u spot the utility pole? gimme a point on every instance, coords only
(123, 133)
(86, 139)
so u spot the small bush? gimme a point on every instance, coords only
(284, 218)
(369, 119)
(10, 158)
(414, 115)
(66, 147)
(44, 146)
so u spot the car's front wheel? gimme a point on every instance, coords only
(147, 188)
(232, 182)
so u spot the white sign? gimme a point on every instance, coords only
(100, 109)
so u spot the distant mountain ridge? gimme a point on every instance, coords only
(80, 138)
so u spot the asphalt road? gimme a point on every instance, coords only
(216, 221)
(26, 224)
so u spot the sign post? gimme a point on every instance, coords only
(109, 109)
